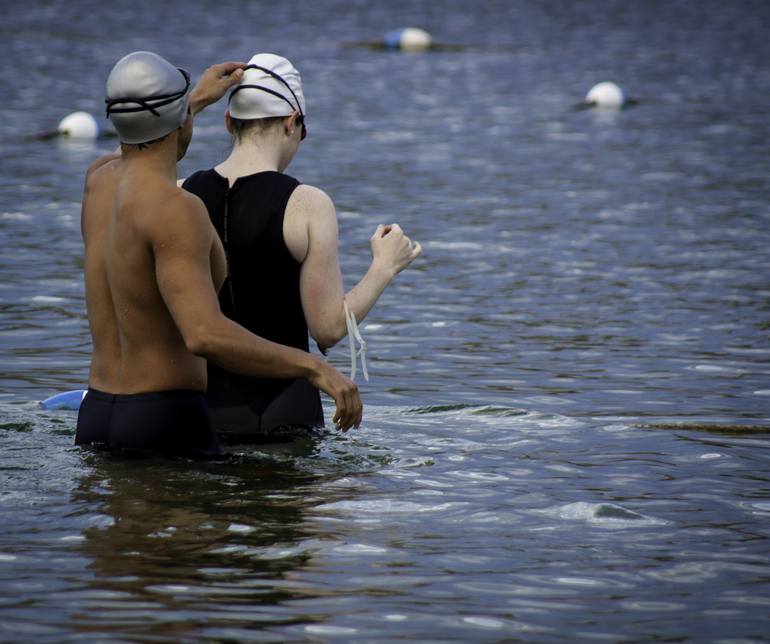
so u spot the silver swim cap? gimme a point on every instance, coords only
(146, 97)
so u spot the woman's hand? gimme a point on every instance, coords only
(392, 249)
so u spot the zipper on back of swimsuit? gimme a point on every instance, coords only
(225, 245)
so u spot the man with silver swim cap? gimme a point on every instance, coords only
(146, 97)
(153, 265)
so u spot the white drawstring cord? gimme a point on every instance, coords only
(354, 336)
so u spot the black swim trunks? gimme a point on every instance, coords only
(175, 423)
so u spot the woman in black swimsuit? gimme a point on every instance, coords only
(280, 239)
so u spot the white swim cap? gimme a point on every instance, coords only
(271, 86)
(146, 97)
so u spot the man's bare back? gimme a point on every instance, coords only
(129, 215)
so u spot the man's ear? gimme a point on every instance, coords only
(228, 121)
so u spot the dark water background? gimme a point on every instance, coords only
(566, 432)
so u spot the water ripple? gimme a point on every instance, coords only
(565, 432)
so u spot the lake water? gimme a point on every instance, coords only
(566, 428)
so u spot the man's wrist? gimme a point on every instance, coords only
(196, 104)
(313, 367)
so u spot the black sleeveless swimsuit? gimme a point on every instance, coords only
(262, 294)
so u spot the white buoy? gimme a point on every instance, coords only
(606, 94)
(79, 125)
(409, 39)
(414, 39)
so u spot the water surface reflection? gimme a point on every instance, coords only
(195, 545)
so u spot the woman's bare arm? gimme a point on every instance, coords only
(312, 227)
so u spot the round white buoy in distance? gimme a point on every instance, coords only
(606, 94)
(79, 125)
(415, 39)
(409, 39)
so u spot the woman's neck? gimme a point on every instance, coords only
(246, 159)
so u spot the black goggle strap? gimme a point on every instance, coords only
(277, 77)
(149, 103)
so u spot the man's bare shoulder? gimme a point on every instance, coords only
(189, 202)
(102, 162)
(178, 212)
